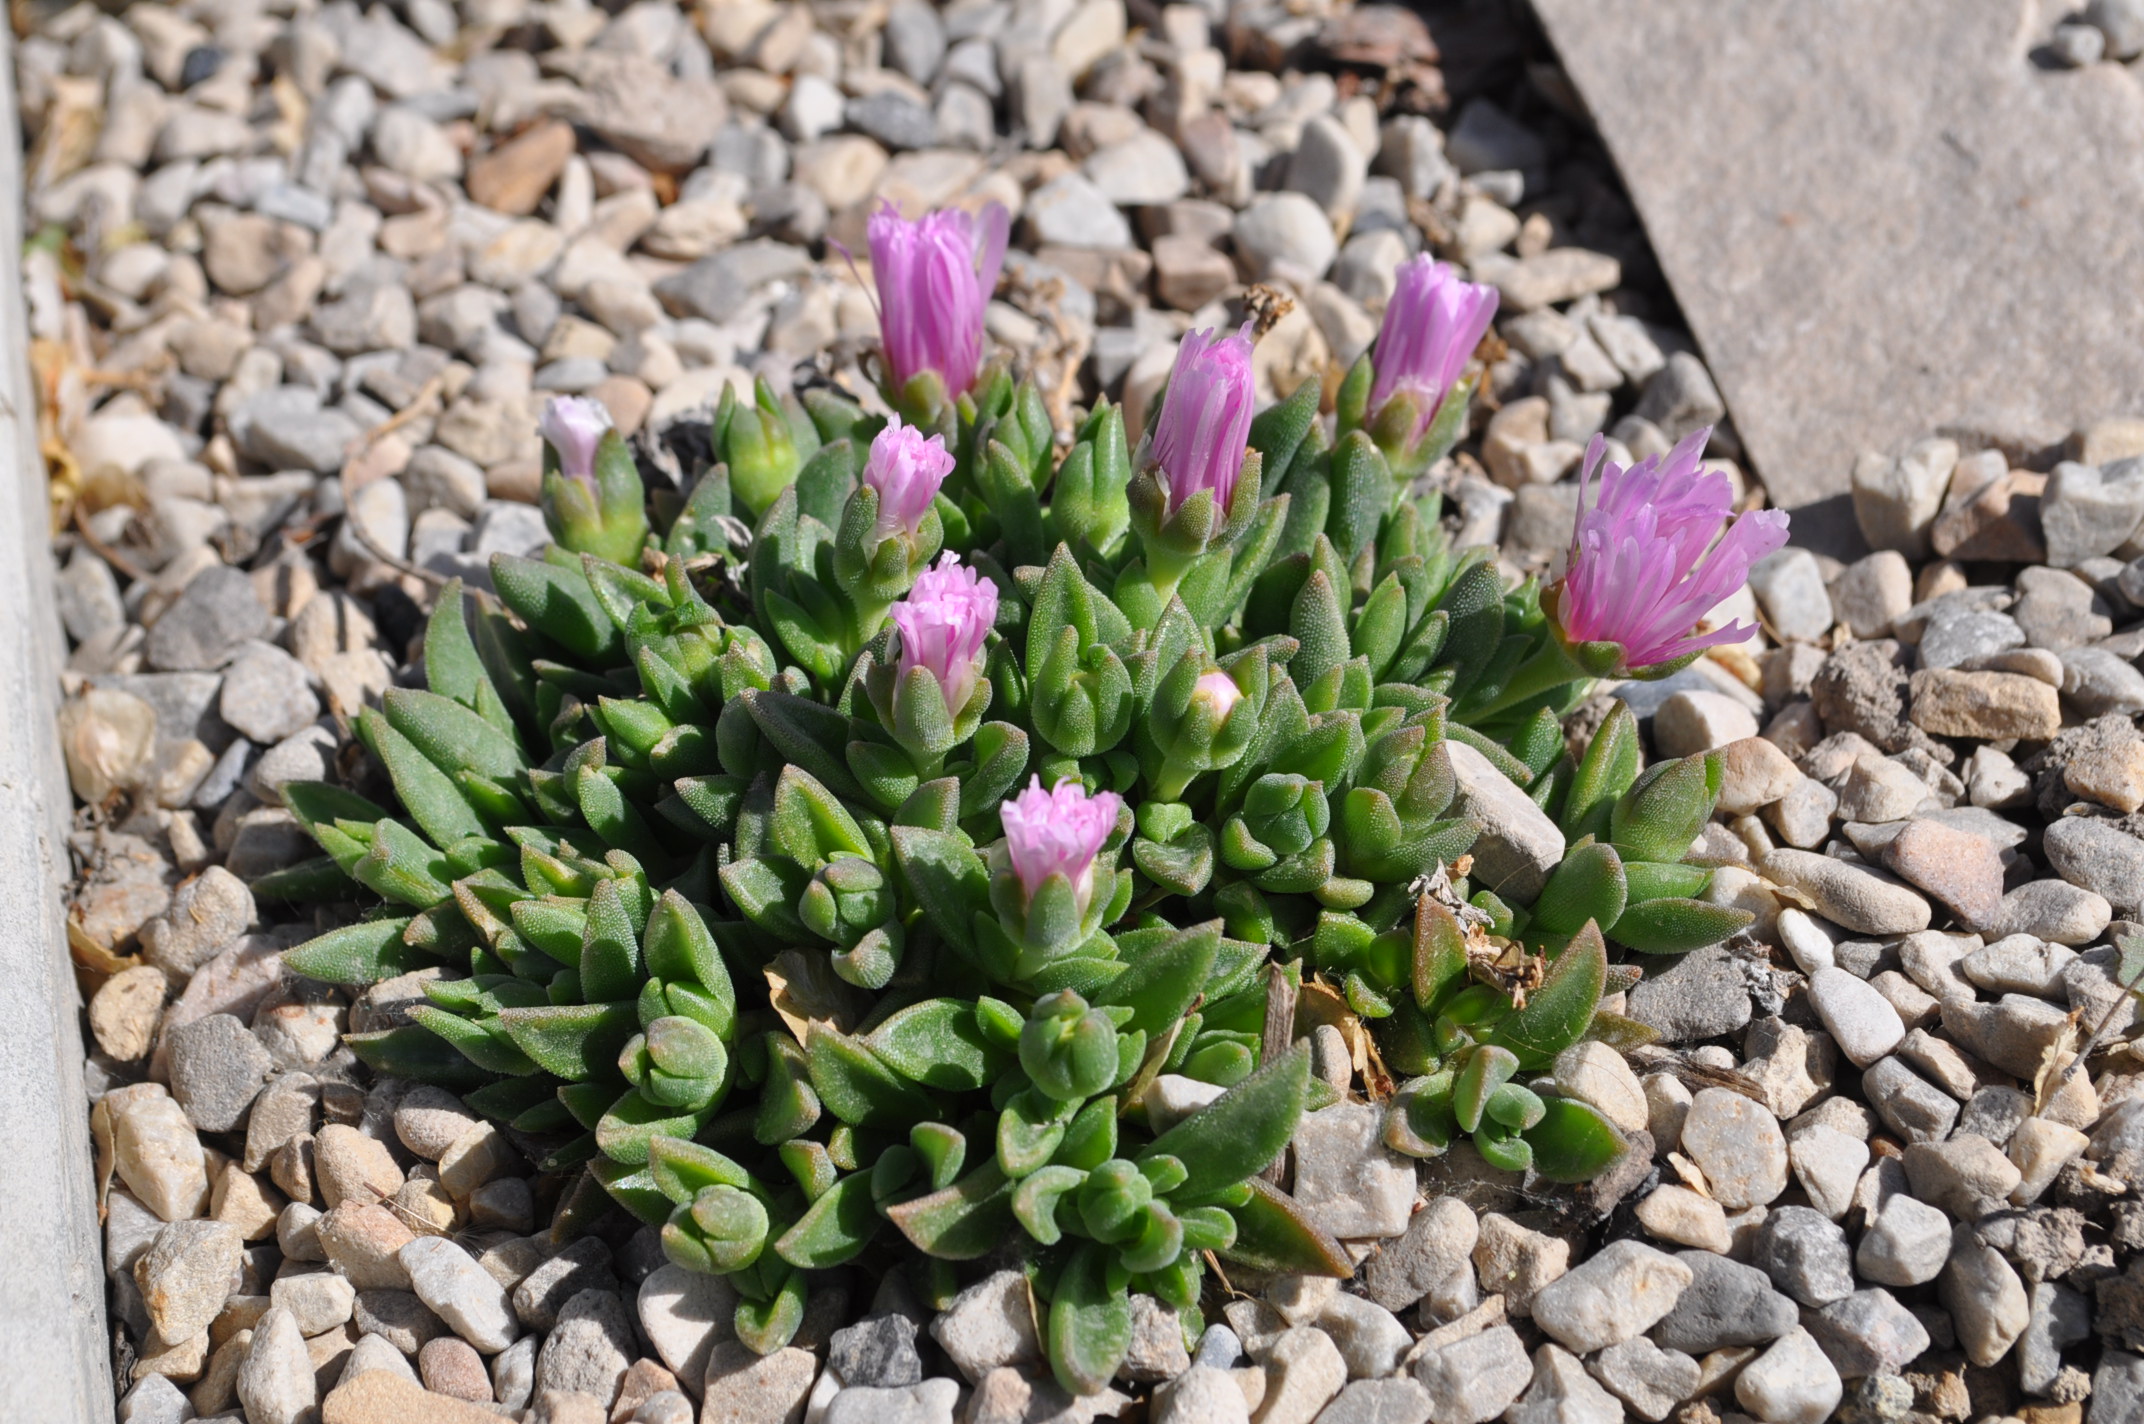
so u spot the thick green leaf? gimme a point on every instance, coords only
(452, 666)
(430, 796)
(968, 1219)
(858, 1088)
(479, 1043)
(454, 737)
(838, 1226)
(1589, 885)
(1558, 1010)
(632, 1187)
(1673, 926)
(678, 946)
(356, 955)
(681, 1167)
(1274, 1234)
(1163, 980)
(1654, 880)
(947, 879)
(766, 1326)
(1440, 952)
(938, 1044)
(575, 1041)
(633, 1121)
(1572, 1142)
(558, 603)
(412, 1051)
(1667, 807)
(1090, 1325)
(1238, 1133)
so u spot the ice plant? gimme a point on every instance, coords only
(942, 624)
(934, 278)
(593, 501)
(1431, 326)
(959, 1008)
(1644, 564)
(905, 470)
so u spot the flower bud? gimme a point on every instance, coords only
(1217, 690)
(934, 278)
(942, 625)
(1188, 493)
(759, 444)
(1201, 720)
(1047, 882)
(906, 468)
(1429, 332)
(573, 427)
(1204, 427)
(593, 501)
(1058, 833)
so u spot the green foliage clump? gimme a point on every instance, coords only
(717, 919)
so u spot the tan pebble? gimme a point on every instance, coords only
(124, 1013)
(350, 1166)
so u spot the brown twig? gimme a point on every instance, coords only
(103, 550)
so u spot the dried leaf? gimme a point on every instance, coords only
(805, 990)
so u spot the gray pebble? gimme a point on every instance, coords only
(218, 611)
(1805, 1254)
(1726, 1304)
(217, 1068)
(877, 1353)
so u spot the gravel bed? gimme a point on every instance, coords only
(305, 276)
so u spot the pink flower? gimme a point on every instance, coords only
(1430, 329)
(934, 278)
(574, 427)
(1058, 832)
(942, 624)
(1221, 690)
(1204, 429)
(1639, 573)
(906, 470)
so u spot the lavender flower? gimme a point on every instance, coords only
(1058, 833)
(934, 279)
(1204, 428)
(942, 624)
(906, 469)
(1430, 329)
(574, 427)
(1639, 575)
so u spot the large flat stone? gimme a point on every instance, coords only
(1880, 220)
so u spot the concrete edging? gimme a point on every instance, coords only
(55, 1358)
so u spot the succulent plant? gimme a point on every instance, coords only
(716, 855)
